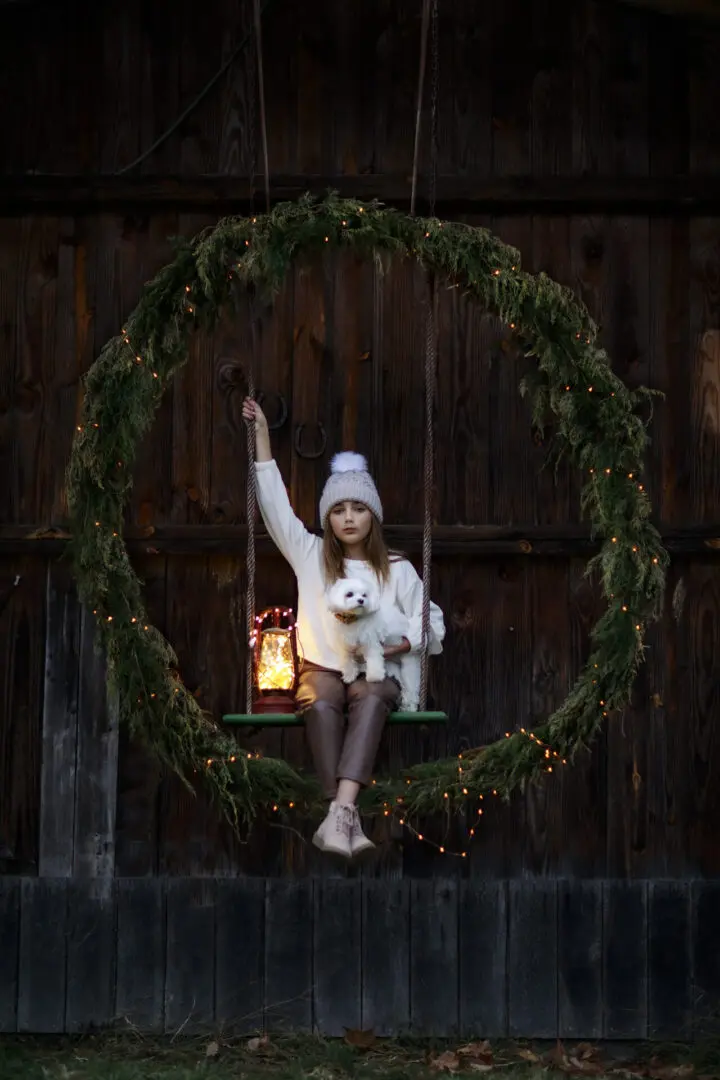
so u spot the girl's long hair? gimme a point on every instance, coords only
(376, 553)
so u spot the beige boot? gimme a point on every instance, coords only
(359, 842)
(333, 836)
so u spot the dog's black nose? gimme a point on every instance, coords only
(361, 600)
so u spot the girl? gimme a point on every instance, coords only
(352, 544)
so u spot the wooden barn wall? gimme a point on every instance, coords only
(583, 90)
(619, 960)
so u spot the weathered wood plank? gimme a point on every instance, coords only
(705, 897)
(398, 42)
(704, 404)
(669, 749)
(386, 970)
(190, 971)
(625, 959)
(580, 989)
(96, 761)
(141, 249)
(43, 951)
(64, 365)
(548, 824)
(190, 451)
(434, 957)
(58, 778)
(35, 440)
(91, 941)
(139, 772)
(10, 234)
(337, 955)
(483, 959)
(624, 309)
(23, 594)
(669, 960)
(697, 600)
(470, 35)
(511, 78)
(193, 838)
(551, 90)
(463, 418)
(141, 952)
(474, 595)
(584, 782)
(240, 954)
(532, 959)
(288, 955)
(9, 952)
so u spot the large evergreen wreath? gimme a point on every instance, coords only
(596, 422)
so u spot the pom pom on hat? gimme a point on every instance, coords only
(348, 461)
(349, 480)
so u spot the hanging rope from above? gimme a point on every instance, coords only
(251, 492)
(429, 9)
(428, 483)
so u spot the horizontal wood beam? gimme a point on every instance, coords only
(689, 9)
(87, 195)
(476, 540)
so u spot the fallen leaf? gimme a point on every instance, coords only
(585, 1067)
(480, 1066)
(528, 1055)
(257, 1043)
(586, 1052)
(557, 1057)
(446, 1062)
(212, 1049)
(476, 1050)
(362, 1039)
(670, 1072)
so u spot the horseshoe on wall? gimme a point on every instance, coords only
(310, 455)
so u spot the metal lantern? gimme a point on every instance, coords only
(274, 648)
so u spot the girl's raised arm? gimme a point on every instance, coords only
(286, 530)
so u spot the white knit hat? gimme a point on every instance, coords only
(349, 480)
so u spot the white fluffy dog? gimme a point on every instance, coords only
(364, 627)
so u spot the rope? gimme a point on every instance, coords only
(261, 87)
(430, 332)
(250, 503)
(251, 493)
(428, 474)
(418, 108)
(435, 50)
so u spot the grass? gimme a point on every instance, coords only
(360, 1056)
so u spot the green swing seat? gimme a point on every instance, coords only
(293, 720)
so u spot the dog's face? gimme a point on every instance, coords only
(351, 596)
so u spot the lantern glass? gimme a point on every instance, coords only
(275, 662)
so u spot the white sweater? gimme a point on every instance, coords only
(303, 550)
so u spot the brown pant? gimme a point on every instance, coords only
(322, 696)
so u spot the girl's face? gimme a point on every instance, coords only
(350, 522)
